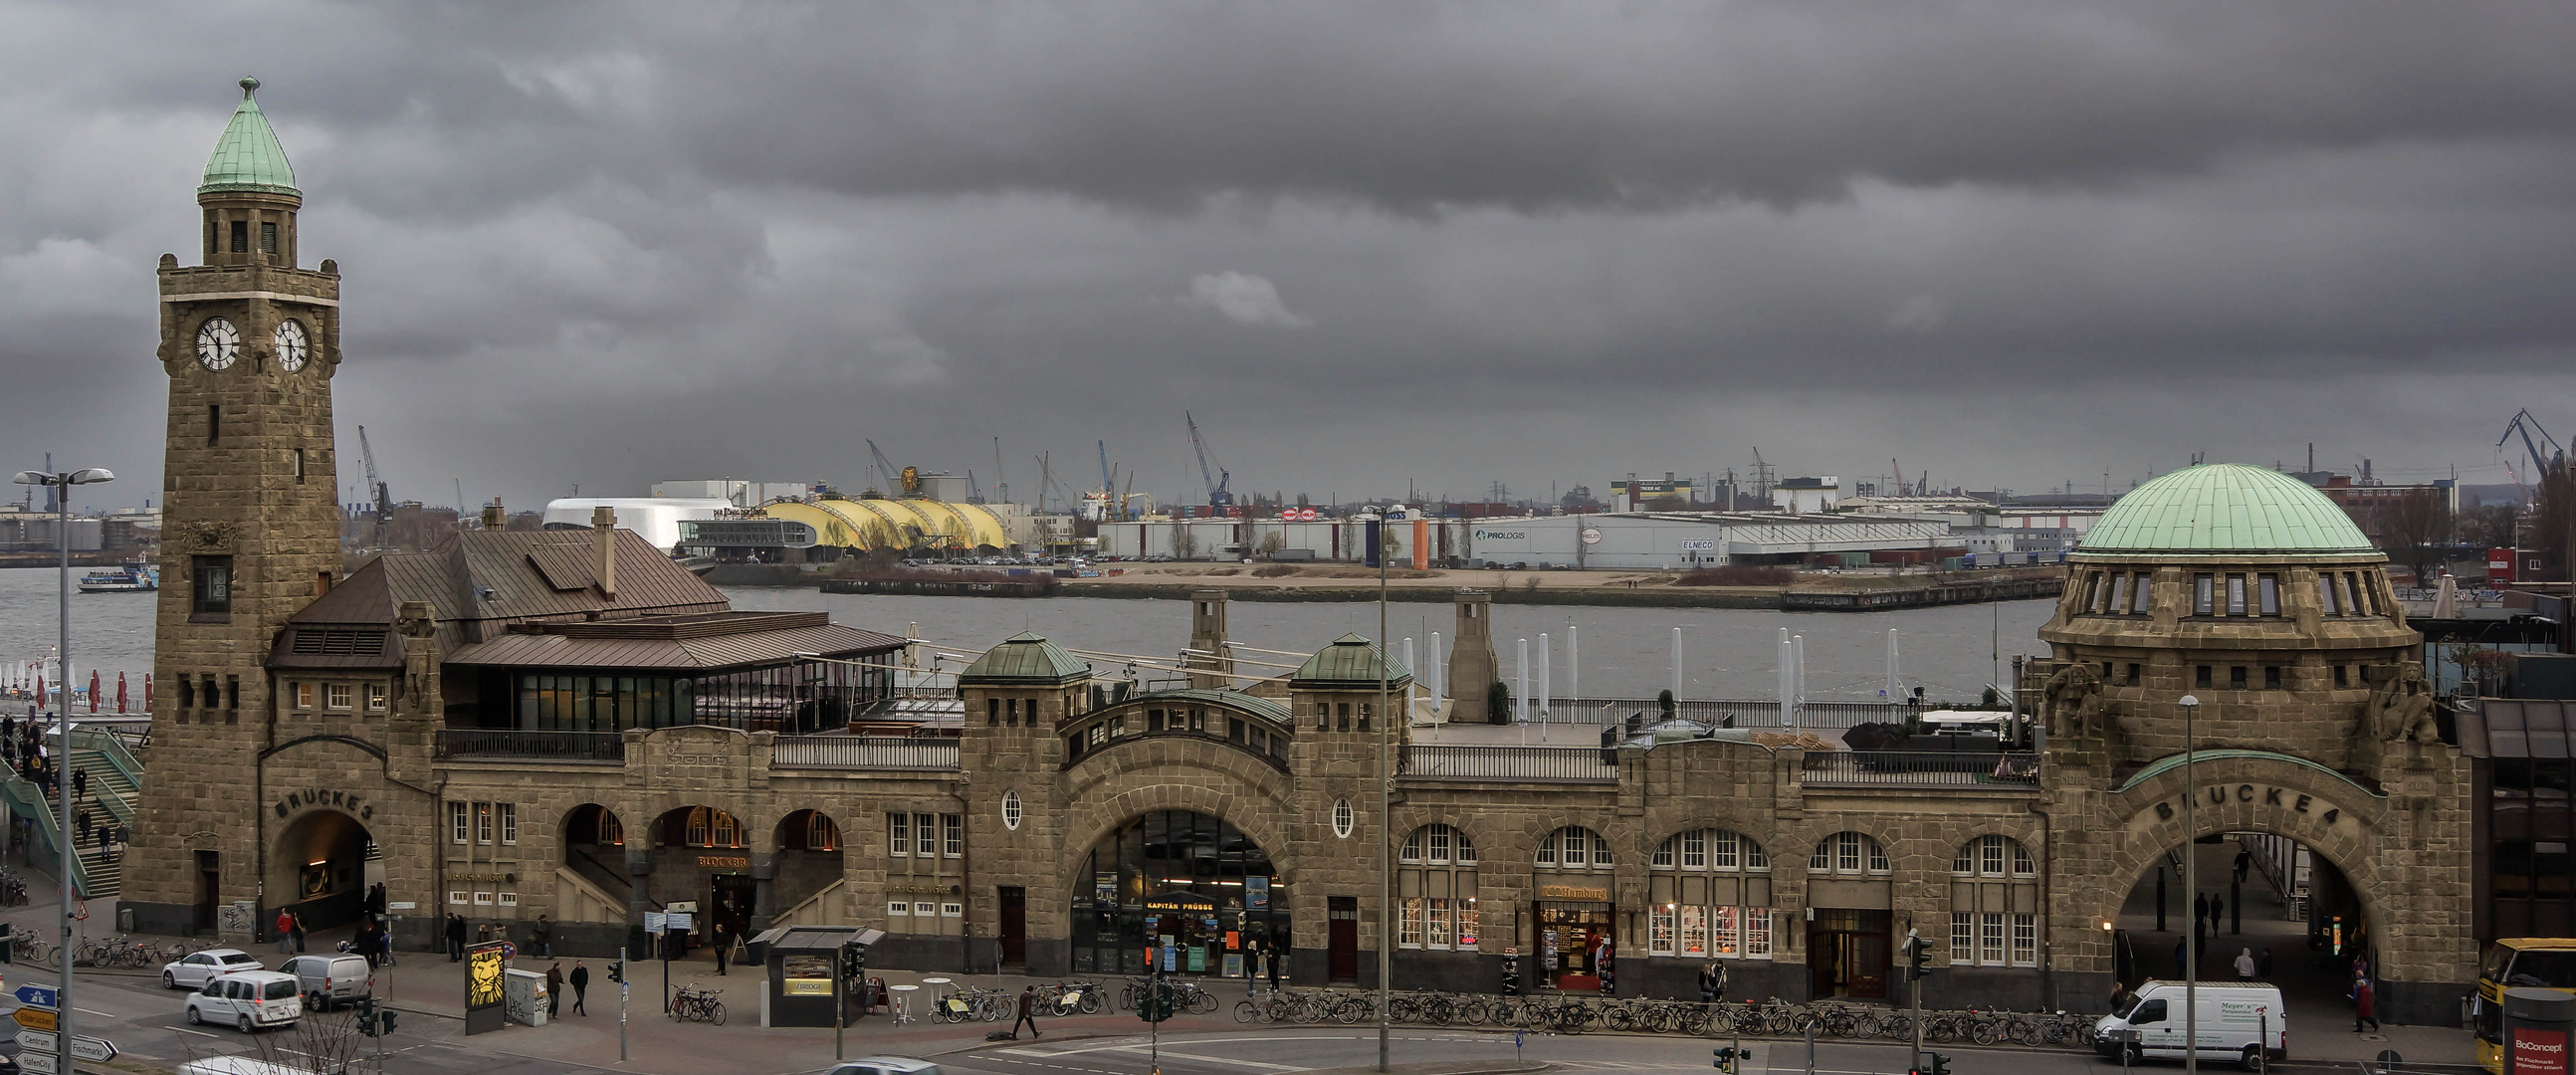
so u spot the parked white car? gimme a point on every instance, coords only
(191, 972)
(248, 1000)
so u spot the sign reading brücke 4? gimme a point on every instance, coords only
(2298, 806)
(337, 800)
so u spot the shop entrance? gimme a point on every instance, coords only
(1847, 953)
(1181, 890)
(1573, 939)
(730, 900)
(320, 868)
(1345, 954)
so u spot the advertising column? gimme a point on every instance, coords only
(2537, 1023)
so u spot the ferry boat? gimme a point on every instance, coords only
(136, 576)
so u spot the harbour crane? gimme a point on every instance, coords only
(2526, 425)
(897, 482)
(1218, 497)
(1108, 479)
(375, 488)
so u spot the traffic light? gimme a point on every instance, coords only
(617, 971)
(1161, 1002)
(385, 1019)
(367, 1016)
(1940, 1064)
(1726, 1058)
(1918, 956)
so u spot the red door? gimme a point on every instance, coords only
(1344, 956)
(1015, 927)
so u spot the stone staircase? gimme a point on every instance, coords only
(111, 802)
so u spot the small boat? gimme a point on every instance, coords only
(136, 576)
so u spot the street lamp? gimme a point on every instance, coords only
(62, 484)
(2191, 884)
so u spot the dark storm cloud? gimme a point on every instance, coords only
(610, 243)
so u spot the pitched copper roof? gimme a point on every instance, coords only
(480, 579)
(677, 649)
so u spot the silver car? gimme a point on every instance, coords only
(327, 980)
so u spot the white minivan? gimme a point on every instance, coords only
(2236, 1018)
(248, 1000)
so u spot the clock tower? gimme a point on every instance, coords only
(251, 522)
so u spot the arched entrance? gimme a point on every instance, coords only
(2281, 908)
(319, 869)
(1192, 888)
(701, 855)
(594, 854)
(811, 868)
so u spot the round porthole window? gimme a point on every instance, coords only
(1011, 810)
(1342, 818)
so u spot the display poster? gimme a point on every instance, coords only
(1233, 940)
(1234, 964)
(486, 977)
(805, 976)
(1256, 893)
(1170, 955)
(1198, 959)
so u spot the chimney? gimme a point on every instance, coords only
(603, 530)
(493, 518)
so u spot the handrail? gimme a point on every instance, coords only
(1824, 768)
(1553, 764)
(24, 800)
(838, 884)
(595, 747)
(834, 751)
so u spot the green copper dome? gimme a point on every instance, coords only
(1350, 660)
(2225, 508)
(247, 157)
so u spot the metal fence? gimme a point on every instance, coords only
(1920, 768)
(1748, 712)
(863, 752)
(600, 747)
(1551, 764)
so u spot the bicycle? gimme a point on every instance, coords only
(690, 1003)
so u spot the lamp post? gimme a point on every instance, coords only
(2190, 884)
(1386, 818)
(62, 483)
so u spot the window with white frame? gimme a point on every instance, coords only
(899, 835)
(952, 835)
(340, 695)
(1709, 897)
(1344, 819)
(456, 823)
(1994, 896)
(1849, 853)
(1574, 848)
(509, 814)
(483, 823)
(376, 697)
(1011, 810)
(1437, 882)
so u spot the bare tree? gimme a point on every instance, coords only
(2489, 526)
(2416, 524)
(325, 1043)
(1185, 542)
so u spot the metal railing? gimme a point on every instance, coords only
(583, 747)
(1554, 764)
(863, 752)
(1920, 768)
(1748, 712)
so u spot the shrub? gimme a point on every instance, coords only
(1739, 575)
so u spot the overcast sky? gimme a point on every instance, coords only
(1371, 246)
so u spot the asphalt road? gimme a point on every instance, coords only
(1304, 1048)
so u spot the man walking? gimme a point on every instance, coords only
(2245, 966)
(580, 987)
(80, 782)
(722, 942)
(541, 937)
(2199, 909)
(455, 937)
(299, 933)
(285, 932)
(2217, 913)
(1028, 1012)
(554, 990)
(2244, 863)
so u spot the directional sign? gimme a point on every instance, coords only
(39, 1040)
(37, 996)
(35, 1018)
(38, 1063)
(94, 1050)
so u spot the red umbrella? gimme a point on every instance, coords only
(120, 692)
(147, 692)
(40, 690)
(93, 690)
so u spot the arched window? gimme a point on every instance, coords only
(1574, 848)
(1848, 853)
(1436, 890)
(1994, 904)
(1709, 894)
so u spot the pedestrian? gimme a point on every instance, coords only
(1712, 983)
(1028, 1012)
(541, 938)
(2263, 965)
(2182, 956)
(580, 987)
(80, 782)
(106, 850)
(285, 931)
(455, 937)
(2244, 864)
(2245, 965)
(376, 899)
(366, 941)
(2121, 998)
(722, 942)
(2199, 907)
(2217, 913)
(554, 990)
(299, 932)
(80, 824)
(2365, 1007)
(1275, 956)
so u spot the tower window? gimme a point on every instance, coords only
(214, 424)
(2342, 679)
(2271, 677)
(299, 466)
(212, 581)
(2236, 677)
(2133, 673)
(268, 237)
(187, 693)
(2200, 676)
(2203, 595)
(241, 237)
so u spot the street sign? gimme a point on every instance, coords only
(35, 1018)
(38, 1063)
(94, 1050)
(39, 1040)
(37, 996)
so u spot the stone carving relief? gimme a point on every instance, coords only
(205, 534)
(2073, 701)
(2402, 708)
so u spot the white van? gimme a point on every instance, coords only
(2234, 1020)
(239, 1065)
(248, 1000)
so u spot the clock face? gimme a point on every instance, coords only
(292, 348)
(218, 344)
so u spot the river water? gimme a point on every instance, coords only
(1625, 652)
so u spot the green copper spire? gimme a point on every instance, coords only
(247, 157)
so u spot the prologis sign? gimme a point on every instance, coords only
(2290, 810)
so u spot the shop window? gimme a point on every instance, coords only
(1696, 919)
(1574, 848)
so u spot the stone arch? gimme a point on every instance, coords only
(1869, 855)
(2238, 791)
(1263, 823)
(591, 838)
(317, 866)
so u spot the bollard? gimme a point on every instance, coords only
(2537, 1025)
(1811, 1049)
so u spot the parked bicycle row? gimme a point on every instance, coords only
(1575, 1014)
